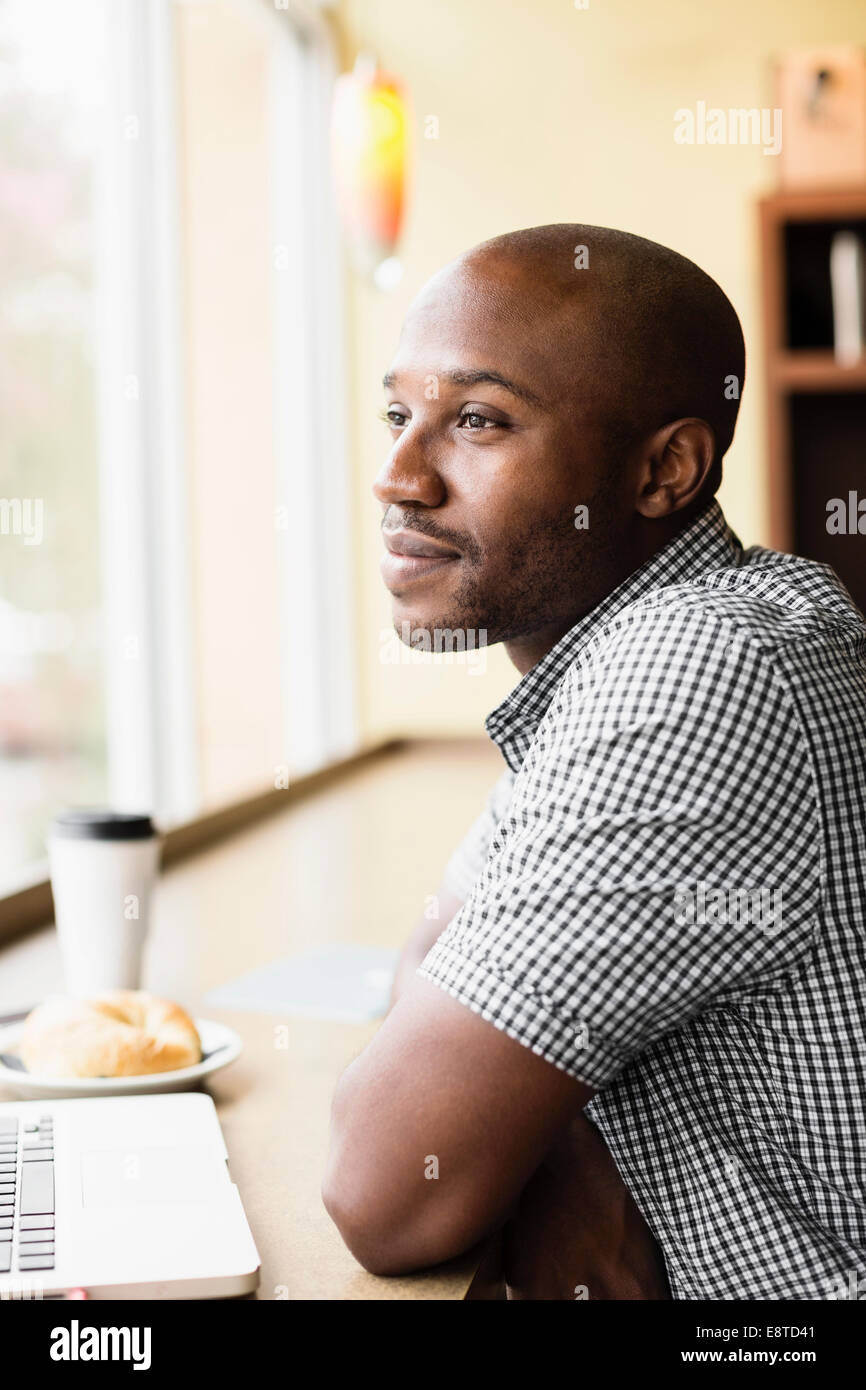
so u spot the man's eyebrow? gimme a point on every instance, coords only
(459, 376)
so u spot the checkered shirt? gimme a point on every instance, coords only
(666, 898)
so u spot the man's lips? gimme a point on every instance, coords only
(410, 555)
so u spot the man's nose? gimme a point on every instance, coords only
(409, 475)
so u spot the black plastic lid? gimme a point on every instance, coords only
(88, 823)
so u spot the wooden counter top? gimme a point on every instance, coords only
(351, 864)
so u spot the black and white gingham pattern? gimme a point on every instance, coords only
(705, 725)
(467, 861)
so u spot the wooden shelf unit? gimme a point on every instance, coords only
(816, 406)
(817, 371)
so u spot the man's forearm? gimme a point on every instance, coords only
(424, 936)
(411, 957)
(577, 1231)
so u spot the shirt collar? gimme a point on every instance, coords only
(707, 543)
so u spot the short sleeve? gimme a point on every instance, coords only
(661, 850)
(467, 861)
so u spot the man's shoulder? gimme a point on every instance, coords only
(775, 595)
(771, 600)
(736, 633)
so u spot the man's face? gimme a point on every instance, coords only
(483, 477)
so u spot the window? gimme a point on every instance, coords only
(178, 637)
(52, 705)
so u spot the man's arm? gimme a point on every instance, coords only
(436, 1129)
(576, 1232)
(463, 867)
(575, 1226)
(424, 936)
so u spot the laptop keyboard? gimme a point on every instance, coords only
(26, 1194)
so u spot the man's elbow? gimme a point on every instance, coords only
(385, 1231)
(364, 1232)
(351, 1194)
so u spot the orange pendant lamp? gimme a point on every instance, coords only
(370, 140)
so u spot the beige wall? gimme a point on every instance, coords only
(549, 113)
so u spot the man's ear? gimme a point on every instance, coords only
(676, 461)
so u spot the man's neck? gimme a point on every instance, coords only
(525, 652)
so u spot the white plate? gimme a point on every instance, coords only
(219, 1044)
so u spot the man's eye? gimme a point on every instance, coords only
(393, 417)
(473, 421)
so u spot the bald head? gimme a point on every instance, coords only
(547, 374)
(642, 327)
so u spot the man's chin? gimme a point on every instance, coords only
(439, 608)
(427, 632)
(410, 619)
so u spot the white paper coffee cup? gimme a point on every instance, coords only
(103, 867)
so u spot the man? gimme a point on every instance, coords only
(663, 925)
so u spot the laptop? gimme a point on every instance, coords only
(125, 1197)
